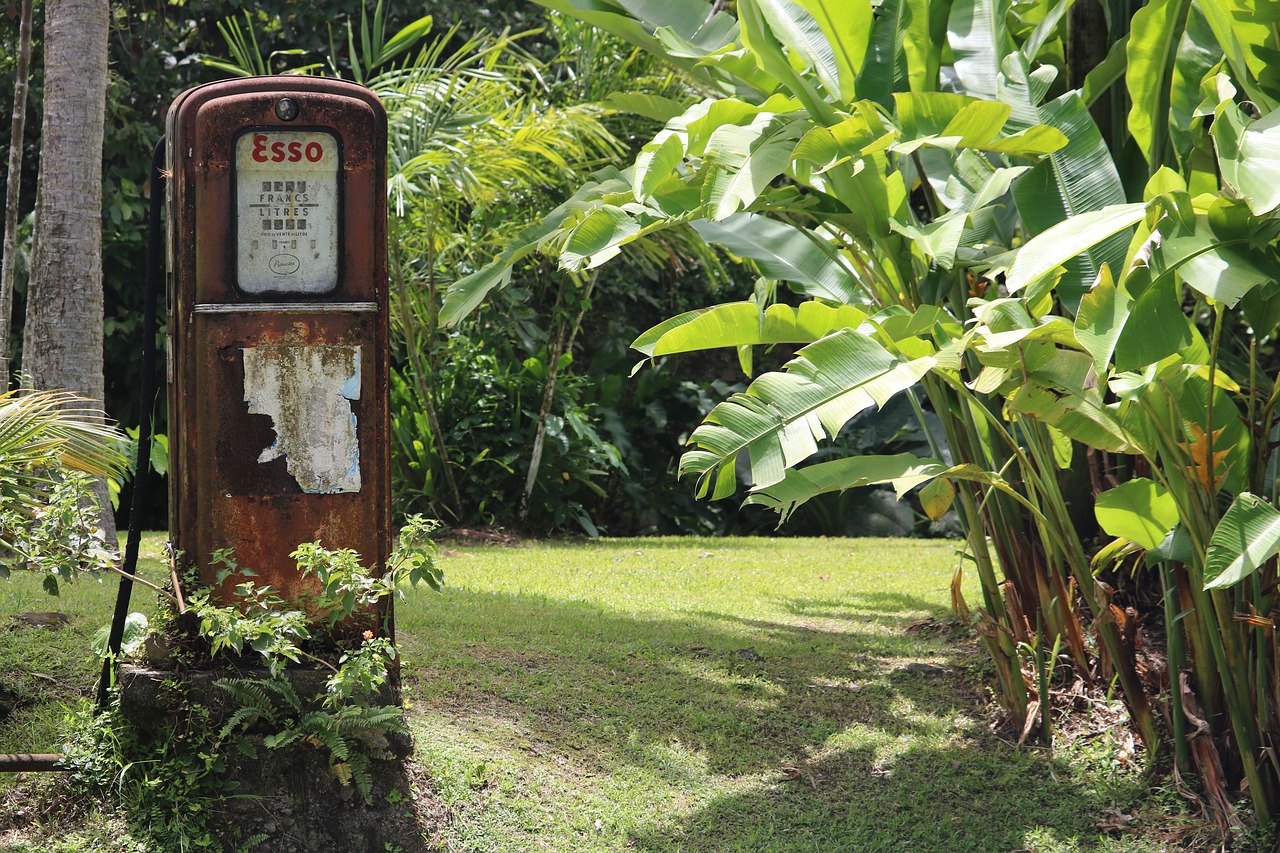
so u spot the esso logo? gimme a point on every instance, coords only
(279, 151)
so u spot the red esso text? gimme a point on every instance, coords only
(264, 150)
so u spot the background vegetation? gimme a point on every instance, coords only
(497, 130)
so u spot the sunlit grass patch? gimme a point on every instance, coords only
(720, 695)
(708, 695)
(45, 658)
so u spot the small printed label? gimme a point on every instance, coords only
(287, 212)
(284, 264)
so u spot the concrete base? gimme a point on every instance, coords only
(288, 799)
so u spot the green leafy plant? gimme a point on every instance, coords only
(51, 449)
(175, 773)
(284, 632)
(173, 776)
(168, 779)
(354, 733)
(983, 246)
(344, 591)
(877, 201)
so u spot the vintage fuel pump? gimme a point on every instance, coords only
(277, 331)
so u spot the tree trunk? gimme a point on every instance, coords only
(13, 187)
(62, 338)
(562, 342)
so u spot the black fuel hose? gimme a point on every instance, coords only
(146, 407)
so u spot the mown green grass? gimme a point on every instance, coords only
(725, 695)
(686, 695)
(43, 671)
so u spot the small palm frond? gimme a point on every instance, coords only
(49, 429)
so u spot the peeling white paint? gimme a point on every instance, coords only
(306, 390)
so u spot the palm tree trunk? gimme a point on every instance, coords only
(63, 335)
(13, 187)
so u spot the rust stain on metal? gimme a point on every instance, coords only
(307, 393)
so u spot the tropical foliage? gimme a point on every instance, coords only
(951, 227)
(51, 448)
(494, 423)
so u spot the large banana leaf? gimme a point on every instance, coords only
(1106, 73)
(978, 210)
(1246, 31)
(1074, 416)
(656, 162)
(741, 162)
(979, 39)
(1247, 536)
(785, 253)
(1157, 326)
(1198, 53)
(656, 107)
(952, 122)
(978, 189)
(1104, 310)
(886, 70)
(738, 164)
(922, 114)
(1141, 511)
(1059, 392)
(1221, 269)
(903, 471)
(688, 135)
(829, 35)
(469, 291)
(1154, 35)
(1248, 151)
(1077, 179)
(840, 160)
(599, 237)
(781, 415)
(905, 51)
(767, 48)
(1043, 254)
(683, 33)
(744, 324)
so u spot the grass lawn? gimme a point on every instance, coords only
(695, 695)
(732, 694)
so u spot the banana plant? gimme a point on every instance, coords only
(1194, 403)
(826, 157)
(877, 199)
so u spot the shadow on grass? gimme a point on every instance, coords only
(954, 799)
(778, 735)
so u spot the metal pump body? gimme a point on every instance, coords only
(277, 325)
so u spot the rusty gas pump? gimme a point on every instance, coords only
(277, 333)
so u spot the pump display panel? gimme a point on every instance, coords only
(287, 211)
